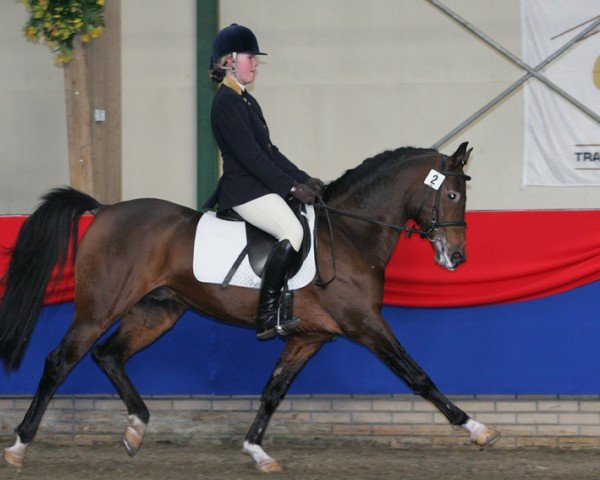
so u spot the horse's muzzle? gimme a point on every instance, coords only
(447, 255)
(450, 262)
(458, 258)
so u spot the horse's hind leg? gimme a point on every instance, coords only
(376, 335)
(297, 351)
(146, 322)
(78, 339)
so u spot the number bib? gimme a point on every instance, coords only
(434, 179)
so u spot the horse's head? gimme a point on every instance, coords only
(440, 207)
(405, 184)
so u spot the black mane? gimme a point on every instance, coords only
(380, 164)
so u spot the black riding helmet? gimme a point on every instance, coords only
(234, 38)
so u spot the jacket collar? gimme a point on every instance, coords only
(236, 87)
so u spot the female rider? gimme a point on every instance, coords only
(257, 177)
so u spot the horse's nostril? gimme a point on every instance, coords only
(457, 257)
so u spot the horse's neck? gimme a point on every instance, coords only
(387, 205)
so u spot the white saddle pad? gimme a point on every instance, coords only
(219, 242)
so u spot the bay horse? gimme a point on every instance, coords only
(134, 263)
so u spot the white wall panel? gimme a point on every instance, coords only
(344, 80)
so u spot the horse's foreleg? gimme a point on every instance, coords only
(381, 341)
(59, 363)
(298, 350)
(145, 323)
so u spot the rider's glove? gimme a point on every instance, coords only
(302, 192)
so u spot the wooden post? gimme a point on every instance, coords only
(104, 70)
(79, 130)
(93, 97)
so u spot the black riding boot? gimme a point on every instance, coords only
(275, 274)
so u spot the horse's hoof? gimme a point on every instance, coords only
(132, 440)
(12, 459)
(264, 463)
(488, 436)
(270, 467)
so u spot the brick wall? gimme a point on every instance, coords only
(398, 420)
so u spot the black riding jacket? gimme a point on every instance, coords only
(252, 165)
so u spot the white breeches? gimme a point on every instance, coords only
(273, 215)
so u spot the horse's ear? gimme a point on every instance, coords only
(461, 156)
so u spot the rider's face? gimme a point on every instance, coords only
(245, 67)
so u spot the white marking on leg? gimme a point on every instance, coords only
(257, 453)
(136, 426)
(135, 421)
(474, 427)
(18, 449)
(16, 454)
(134, 434)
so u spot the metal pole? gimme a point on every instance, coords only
(514, 86)
(496, 46)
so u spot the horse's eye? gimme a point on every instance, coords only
(452, 196)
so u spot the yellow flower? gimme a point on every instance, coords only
(55, 22)
(31, 33)
(63, 59)
(96, 32)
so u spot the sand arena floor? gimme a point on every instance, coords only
(305, 460)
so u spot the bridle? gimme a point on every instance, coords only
(435, 223)
(433, 227)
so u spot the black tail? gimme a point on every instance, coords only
(42, 243)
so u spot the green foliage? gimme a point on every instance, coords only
(57, 22)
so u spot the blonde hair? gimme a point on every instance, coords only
(217, 70)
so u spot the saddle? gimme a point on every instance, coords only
(259, 243)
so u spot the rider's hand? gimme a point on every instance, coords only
(302, 192)
(316, 185)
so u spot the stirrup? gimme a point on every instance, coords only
(283, 327)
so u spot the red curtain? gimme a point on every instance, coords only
(58, 290)
(512, 256)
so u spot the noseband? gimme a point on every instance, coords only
(435, 223)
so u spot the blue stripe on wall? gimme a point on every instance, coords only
(546, 346)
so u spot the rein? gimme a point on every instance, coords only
(435, 223)
(345, 213)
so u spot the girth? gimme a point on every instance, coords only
(260, 243)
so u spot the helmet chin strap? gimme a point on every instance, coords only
(232, 68)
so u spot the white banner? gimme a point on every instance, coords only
(562, 144)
